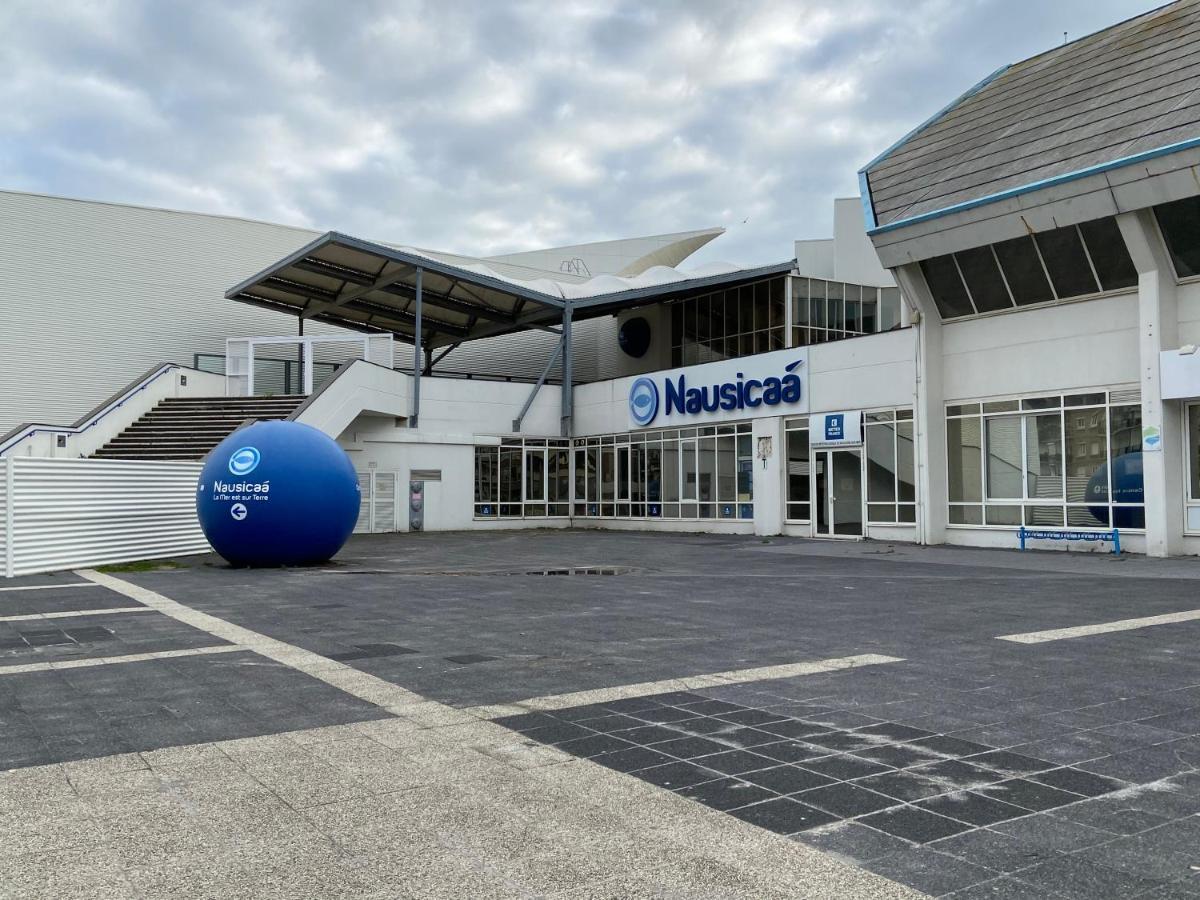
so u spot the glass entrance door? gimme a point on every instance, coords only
(837, 489)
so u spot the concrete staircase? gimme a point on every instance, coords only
(188, 428)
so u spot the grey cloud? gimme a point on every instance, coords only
(490, 127)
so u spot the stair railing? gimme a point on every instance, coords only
(29, 430)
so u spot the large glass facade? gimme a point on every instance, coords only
(1074, 261)
(824, 311)
(680, 473)
(523, 478)
(683, 473)
(1052, 461)
(731, 323)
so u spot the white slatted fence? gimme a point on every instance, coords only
(66, 513)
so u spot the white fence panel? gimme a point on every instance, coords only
(65, 513)
(380, 506)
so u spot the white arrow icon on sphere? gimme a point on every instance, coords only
(238, 511)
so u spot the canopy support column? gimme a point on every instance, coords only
(416, 397)
(566, 423)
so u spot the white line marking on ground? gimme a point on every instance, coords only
(71, 613)
(50, 587)
(384, 694)
(737, 676)
(113, 660)
(1059, 634)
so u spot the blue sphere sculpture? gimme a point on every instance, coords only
(1127, 487)
(277, 493)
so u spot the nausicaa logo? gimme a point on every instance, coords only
(744, 393)
(244, 461)
(643, 401)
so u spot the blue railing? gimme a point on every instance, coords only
(1114, 536)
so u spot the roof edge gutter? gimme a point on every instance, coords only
(1065, 178)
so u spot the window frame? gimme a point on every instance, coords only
(1024, 406)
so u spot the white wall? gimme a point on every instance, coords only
(1089, 344)
(870, 372)
(93, 294)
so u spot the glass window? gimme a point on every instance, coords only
(837, 306)
(982, 275)
(1180, 226)
(726, 469)
(889, 308)
(1004, 458)
(1066, 262)
(1125, 448)
(1023, 271)
(535, 475)
(1110, 256)
(964, 455)
(870, 310)
(1193, 451)
(881, 462)
(707, 462)
(946, 285)
(726, 324)
(1086, 440)
(906, 471)
(1043, 464)
(670, 471)
(797, 475)
(1078, 466)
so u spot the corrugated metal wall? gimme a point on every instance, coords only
(65, 513)
(93, 294)
(524, 354)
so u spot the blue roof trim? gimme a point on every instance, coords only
(1065, 178)
(865, 187)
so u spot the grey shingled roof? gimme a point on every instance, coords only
(1127, 90)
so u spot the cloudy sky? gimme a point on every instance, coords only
(496, 125)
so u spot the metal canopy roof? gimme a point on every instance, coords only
(363, 285)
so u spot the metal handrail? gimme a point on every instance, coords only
(90, 419)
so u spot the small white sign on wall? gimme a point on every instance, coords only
(835, 429)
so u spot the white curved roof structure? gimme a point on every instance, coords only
(360, 284)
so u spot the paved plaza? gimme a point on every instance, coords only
(585, 714)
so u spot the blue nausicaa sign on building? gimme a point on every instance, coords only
(770, 384)
(277, 494)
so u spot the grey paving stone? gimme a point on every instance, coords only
(1053, 833)
(929, 871)
(1000, 889)
(1086, 784)
(783, 815)
(996, 851)
(735, 762)
(845, 800)
(903, 785)
(787, 779)
(1029, 794)
(853, 840)
(725, 793)
(1082, 879)
(843, 767)
(975, 809)
(912, 824)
